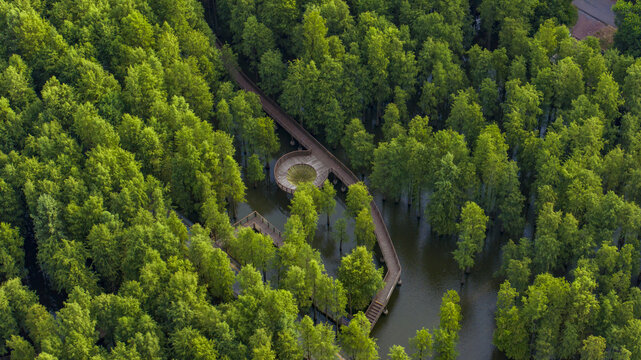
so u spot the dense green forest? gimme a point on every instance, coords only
(119, 124)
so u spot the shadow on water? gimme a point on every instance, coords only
(428, 272)
(428, 269)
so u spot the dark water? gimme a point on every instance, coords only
(428, 270)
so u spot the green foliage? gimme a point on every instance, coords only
(359, 145)
(255, 170)
(471, 235)
(421, 345)
(357, 198)
(356, 341)
(212, 264)
(303, 206)
(257, 39)
(443, 209)
(446, 336)
(364, 229)
(628, 18)
(466, 116)
(11, 253)
(188, 343)
(250, 247)
(397, 352)
(390, 166)
(360, 277)
(327, 201)
(317, 341)
(272, 72)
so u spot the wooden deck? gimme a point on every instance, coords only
(298, 157)
(345, 175)
(257, 222)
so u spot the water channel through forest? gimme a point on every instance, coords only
(428, 268)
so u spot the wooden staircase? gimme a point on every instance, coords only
(374, 311)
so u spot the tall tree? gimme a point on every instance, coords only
(471, 230)
(628, 19)
(446, 336)
(255, 170)
(360, 277)
(340, 233)
(359, 145)
(466, 116)
(397, 352)
(12, 261)
(356, 341)
(303, 206)
(421, 345)
(357, 198)
(364, 229)
(314, 42)
(443, 209)
(272, 71)
(257, 39)
(326, 201)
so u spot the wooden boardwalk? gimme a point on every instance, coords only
(257, 222)
(344, 174)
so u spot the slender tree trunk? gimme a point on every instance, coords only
(314, 297)
(328, 220)
(418, 214)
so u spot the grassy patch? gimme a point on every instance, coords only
(301, 173)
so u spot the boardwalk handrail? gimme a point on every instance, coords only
(296, 130)
(285, 157)
(273, 229)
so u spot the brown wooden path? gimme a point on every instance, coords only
(257, 222)
(345, 175)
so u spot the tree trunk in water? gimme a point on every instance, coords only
(314, 297)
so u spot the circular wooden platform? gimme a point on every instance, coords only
(304, 157)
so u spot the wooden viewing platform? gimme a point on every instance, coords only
(258, 222)
(344, 174)
(294, 158)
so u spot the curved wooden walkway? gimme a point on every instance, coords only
(344, 174)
